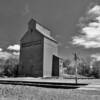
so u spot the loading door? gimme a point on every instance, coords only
(55, 66)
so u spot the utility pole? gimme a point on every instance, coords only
(75, 59)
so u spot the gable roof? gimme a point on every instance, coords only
(44, 31)
(41, 29)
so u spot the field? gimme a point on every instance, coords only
(18, 92)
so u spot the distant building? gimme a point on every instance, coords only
(38, 53)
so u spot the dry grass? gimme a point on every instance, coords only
(17, 92)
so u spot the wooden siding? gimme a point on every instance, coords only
(31, 55)
(50, 49)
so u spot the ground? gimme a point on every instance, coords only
(18, 92)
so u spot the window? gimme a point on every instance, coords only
(31, 30)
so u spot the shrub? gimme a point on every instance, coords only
(96, 69)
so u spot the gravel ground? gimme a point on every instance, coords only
(18, 92)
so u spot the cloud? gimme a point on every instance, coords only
(1, 49)
(15, 47)
(89, 35)
(5, 55)
(95, 9)
(12, 52)
(96, 56)
(16, 53)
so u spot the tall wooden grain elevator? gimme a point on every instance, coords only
(38, 52)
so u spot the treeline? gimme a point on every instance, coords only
(9, 67)
(84, 68)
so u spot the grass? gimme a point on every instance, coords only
(18, 92)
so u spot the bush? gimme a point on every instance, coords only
(66, 63)
(9, 68)
(96, 69)
(84, 69)
(10, 71)
(70, 70)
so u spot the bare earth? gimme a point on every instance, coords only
(18, 92)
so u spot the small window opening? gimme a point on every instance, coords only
(31, 30)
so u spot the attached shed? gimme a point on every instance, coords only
(38, 49)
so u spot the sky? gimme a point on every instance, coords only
(75, 24)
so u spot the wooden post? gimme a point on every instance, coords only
(75, 59)
(76, 80)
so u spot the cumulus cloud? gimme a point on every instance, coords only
(5, 55)
(13, 53)
(95, 9)
(16, 53)
(96, 56)
(89, 35)
(1, 49)
(15, 47)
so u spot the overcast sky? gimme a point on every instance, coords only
(65, 18)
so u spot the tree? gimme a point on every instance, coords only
(11, 67)
(96, 69)
(68, 69)
(66, 63)
(84, 68)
